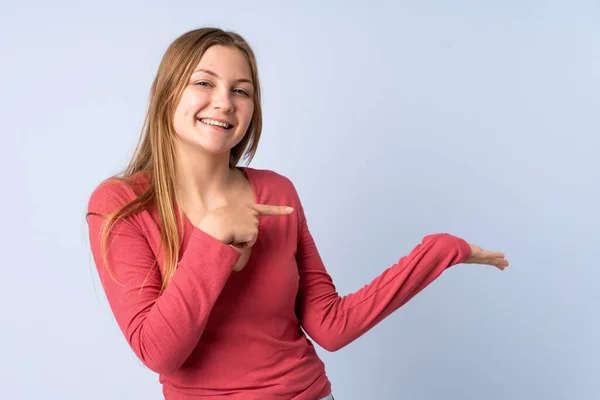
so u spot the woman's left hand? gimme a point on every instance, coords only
(482, 256)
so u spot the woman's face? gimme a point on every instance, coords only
(217, 105)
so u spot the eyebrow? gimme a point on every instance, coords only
(207, 71)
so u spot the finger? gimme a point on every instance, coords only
(241, 246)
(491, 254)
(267, 209)
(238, 246)
(502, 263)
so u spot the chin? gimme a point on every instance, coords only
(206, 142)
(213, 149)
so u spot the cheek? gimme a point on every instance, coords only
(191, 102)
(180, 118)
(248, 112)
(195, 102)
(182, 115)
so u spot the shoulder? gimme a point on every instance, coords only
(272, 181)
(115, 192)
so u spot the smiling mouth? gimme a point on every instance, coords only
(212, 122)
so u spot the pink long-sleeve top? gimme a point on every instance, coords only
(217, 333)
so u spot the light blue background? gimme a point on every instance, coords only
(394, 120)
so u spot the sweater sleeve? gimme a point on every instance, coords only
(333, 321)
(161, 329)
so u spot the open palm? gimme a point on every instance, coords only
(482, 256)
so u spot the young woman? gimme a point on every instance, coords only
(210, 268)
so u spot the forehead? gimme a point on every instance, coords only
(226, 61)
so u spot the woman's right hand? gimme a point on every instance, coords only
(481, 256)
(237, 224)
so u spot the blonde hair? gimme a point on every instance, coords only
(155, 151)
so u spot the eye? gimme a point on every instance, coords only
(242, 92)
(203, 83)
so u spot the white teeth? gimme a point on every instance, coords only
(216, 123)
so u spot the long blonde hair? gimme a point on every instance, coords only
(155, 151)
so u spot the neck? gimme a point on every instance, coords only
(202, 179)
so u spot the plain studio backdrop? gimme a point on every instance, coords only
(393, 119)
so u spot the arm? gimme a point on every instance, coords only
(334, 321)
(162, 330)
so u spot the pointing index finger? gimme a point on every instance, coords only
(267, 209)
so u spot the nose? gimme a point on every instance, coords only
(221, 100)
